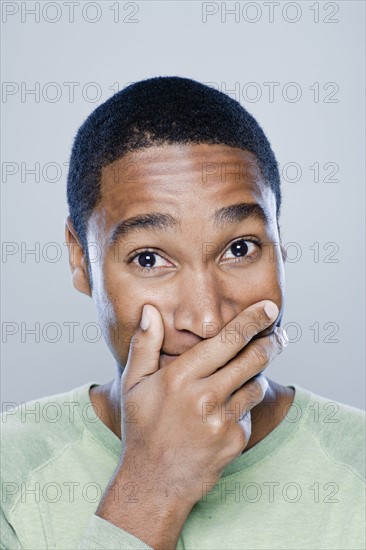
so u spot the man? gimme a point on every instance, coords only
(174, 199)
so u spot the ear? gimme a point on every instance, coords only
(77, 260)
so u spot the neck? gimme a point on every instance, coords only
(264, 417)
(270, 412)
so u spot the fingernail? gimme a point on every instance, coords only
(271, 310)
(145, 319)
(285, 337)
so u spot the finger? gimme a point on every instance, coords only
(144, 352)
(246, 398)
(246, 425)
(211, 354)
(253, 359)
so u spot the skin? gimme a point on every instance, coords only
(193, 290)
(188, 294)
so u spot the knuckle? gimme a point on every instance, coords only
(209, 397)
(207, 408)
(172, 382)
(216, 427)
(253, 324)
(237, 368)
(231, 333)
(256, 322)
(256, 391)
(241, 439)
(135, 341)
(276, 341)
(256, 317)
(200, 358)
(259, 353)
(261, 386)
(252, 393)
(239, 442)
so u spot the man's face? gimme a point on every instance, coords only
(199, 264)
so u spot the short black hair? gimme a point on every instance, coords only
(158, 111)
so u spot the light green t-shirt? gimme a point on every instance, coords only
(301, 487)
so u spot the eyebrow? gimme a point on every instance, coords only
(234, 213)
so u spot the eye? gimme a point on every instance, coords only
(241, 249)
(244, 249)
(146, 259)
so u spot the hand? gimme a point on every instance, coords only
(176, 421)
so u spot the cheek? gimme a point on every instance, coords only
(264, 278)
(118, 310)
(266, 283)
(119, 299)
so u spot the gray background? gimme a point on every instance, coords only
(325, 125)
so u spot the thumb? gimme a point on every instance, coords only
(144, 353)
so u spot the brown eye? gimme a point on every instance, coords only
(243, 249)
(239, 248)
(146, 259)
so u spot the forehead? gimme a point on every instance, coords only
(188, 180)
(180, 164)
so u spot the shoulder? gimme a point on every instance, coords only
(36, 431)
(339, 429)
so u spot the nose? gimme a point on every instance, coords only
(204, 307)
